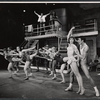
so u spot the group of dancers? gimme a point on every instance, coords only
(75, 57)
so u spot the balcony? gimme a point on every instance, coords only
(40, 31)
(86, 28)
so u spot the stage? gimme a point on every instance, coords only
(41, 86)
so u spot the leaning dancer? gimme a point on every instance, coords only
(7, 55)
(25, 55)
(84, 52)
(28, 58)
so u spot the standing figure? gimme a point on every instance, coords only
(63, 65)
(84, 52)
(41, 19)
(72, 59)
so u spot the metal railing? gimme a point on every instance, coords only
(87, 27)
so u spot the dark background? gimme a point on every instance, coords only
(12, 18)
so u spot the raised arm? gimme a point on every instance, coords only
(36, 13)
(70, 33)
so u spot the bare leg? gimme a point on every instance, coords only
(86, 72)
(71, 81)
(50, 66)
(10, 66)
(61, 72)
(54, 68)
(78, 77)
(27, 65)
(46, 65)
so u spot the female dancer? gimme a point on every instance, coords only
(7, 53)
(73, 52)
(25, 55)
(52, 62)
(63, 65)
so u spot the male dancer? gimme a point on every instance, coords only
(84, 52)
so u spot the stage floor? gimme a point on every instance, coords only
(41, 86)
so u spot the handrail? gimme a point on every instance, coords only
(43, 27)
(83, 29)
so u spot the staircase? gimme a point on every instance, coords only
(24, 43)
(31, 43)
(63, 46)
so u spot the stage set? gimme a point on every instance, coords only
(59, 57)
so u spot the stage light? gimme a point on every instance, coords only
(23, 24)
(24, 10)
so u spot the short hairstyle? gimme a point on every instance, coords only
(70, 38)
(82, 38)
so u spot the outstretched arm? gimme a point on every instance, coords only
(1, 49)
(36, 13)
(1, 53)
(70, 33)
(47, 14)
(29, 49)
(31, 56)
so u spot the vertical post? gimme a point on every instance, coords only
(58, 44)
(37, 30)
(38, 45)
(95, 25)
(40, 28)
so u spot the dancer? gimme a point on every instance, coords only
(25, 55)
(52, 62)
(28, 58)
(46, 52)
(41, 18)
(16, 63)
(84, 52)
(71, 60)
(63, 65)
(7, 55)
(72, 53)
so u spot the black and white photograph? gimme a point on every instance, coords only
(50, 50)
